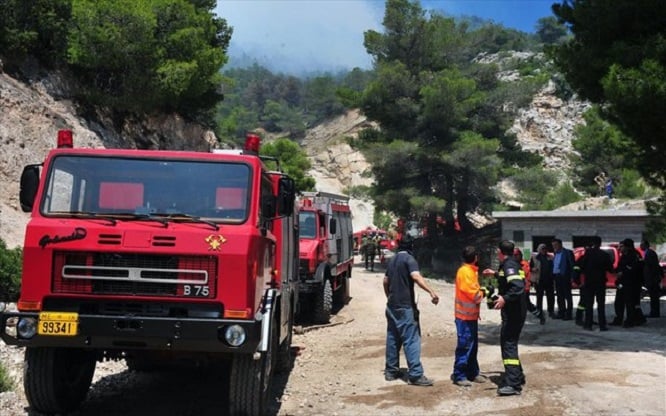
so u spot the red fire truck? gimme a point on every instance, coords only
(326, 253)
(154, 257)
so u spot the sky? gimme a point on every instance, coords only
(301, 36)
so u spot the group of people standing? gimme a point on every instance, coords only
(555, 272)
(550, 273)
(370, 247)
(403, 323)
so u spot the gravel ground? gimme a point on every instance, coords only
(338, 370)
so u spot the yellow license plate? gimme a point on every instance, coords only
(58, 323)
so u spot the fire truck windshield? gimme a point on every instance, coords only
(307, 226)
(133, 188)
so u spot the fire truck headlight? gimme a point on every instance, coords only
(27, 327)
(234, 335)
(3, 306)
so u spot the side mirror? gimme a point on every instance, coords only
(333, 226)
(29, 185)
(286, 196)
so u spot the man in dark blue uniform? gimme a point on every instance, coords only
(402, 316)
(513, 303)
(594, 265)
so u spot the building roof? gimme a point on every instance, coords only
(592, 213)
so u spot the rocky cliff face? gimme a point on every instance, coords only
(336, 166)
(547, 127)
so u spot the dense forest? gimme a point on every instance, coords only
(444, 114)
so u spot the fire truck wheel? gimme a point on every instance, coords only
(56, 380)
(250, 380)
(284, 359)
(341, 295)
(323, 303)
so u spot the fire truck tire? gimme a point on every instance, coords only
(323, 303)
(56, 380)
(341, 295)
(250, 380)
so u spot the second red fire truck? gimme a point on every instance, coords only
(326, 253)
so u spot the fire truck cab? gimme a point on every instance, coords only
(326, 253)
(153, 256)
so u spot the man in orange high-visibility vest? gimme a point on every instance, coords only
(467, 307)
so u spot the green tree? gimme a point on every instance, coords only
(293, 161)
(617, 58)
(532, 186)
(441, 144)
(602, 147)
(149, 55)
(34, 27)
(320, 100)
(550, 30)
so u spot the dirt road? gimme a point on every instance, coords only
(338, 370)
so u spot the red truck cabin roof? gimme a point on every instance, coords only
(146, 182)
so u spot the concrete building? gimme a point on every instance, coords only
(530, 228)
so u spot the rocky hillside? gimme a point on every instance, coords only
(30, 115)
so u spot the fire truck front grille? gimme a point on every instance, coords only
(134, 274)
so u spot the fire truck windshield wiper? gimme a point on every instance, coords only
(182, 217)
(128, 216)
(86, 215)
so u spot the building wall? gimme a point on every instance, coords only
(610, 229)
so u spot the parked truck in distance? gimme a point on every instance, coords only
(154, 257)
(326, 253)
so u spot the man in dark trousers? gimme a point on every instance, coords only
(628, 283)
(512, 300)
(563, 263)
(402, 316)
(542, 266)
(370, 250)
(594, 265)
(652, 275)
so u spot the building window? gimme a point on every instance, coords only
(519, 237)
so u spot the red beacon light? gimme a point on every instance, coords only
(307, 203)
(252, 143)
(65, 139)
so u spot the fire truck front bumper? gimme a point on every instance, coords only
(62, 329)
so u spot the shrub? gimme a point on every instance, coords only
(6, 383)
(10, 272)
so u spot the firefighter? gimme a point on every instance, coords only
(512, 301)
(370, 251)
